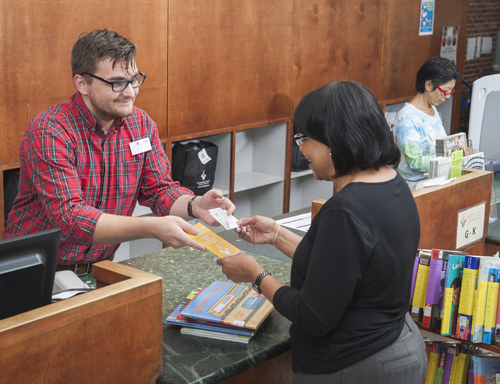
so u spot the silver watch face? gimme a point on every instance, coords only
(256, 288)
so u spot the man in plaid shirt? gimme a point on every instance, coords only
(86, 162)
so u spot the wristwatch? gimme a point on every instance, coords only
(258, 280)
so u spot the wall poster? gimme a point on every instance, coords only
(449, 43)
(426, 17)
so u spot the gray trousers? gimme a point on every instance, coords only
(402, 362)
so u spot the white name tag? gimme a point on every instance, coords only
(140, 146)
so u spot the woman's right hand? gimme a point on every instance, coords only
(257, 229)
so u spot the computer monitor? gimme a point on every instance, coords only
(27, 269)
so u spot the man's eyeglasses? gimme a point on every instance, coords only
(121, 85)
(444, 92)
(299, 139)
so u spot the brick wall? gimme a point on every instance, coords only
(484, 21)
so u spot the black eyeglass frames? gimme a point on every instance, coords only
(121, 85)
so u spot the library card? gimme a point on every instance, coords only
(213, 242)
(228, 222)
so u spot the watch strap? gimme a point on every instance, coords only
(259, 279)
(190, 207)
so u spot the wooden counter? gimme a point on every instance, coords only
(110, 335)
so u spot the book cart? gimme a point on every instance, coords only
(438, 208)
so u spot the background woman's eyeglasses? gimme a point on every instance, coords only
(444, 92)
(299, 139)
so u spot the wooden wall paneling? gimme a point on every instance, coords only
(37, 38)
(337, 40)
(228, 64)
(405, 51)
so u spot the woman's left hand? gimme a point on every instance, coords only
(240, 268)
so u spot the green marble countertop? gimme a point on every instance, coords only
(191, 359)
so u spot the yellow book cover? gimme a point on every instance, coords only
(421, 286)
(430, 377)
(446, 322)
(490, 313)
(467, 291)
(213, 242)
(478, 317)
(459, 373)
(454, 367)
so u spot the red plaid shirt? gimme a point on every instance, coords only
(72, 172)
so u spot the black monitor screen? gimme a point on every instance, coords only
(27, 269)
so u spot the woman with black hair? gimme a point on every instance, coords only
(418, 123)
(351, 273)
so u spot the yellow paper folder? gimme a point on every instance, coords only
(213, 242)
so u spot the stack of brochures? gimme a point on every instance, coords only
(440, 166)
(224, 311)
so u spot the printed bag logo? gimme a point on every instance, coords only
(203, 156)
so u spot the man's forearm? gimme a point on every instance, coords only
(112, 229)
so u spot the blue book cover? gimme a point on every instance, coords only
(453, 284)
(174, 319)
(231, 304)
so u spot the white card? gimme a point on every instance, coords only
(228, 222)
(203, 156)
(140, 146)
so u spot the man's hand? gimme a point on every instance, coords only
(210, 200)
(171, 230)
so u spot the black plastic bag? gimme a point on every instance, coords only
(299, 162)
(193, 165)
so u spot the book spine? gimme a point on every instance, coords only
(430, 377)
(432, 294)
(448, 364)
(414, 278)
(421, 283)
(491, 307)
(478, 317)
(467, 293)
(440, 370)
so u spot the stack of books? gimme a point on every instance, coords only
(457, 294)
(455, 362)
(223, 311)
(449, 144)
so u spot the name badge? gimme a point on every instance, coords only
(140, 146)
(433, 135)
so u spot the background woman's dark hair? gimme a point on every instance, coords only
(438, 70)
(345, 116)
(97, 45)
